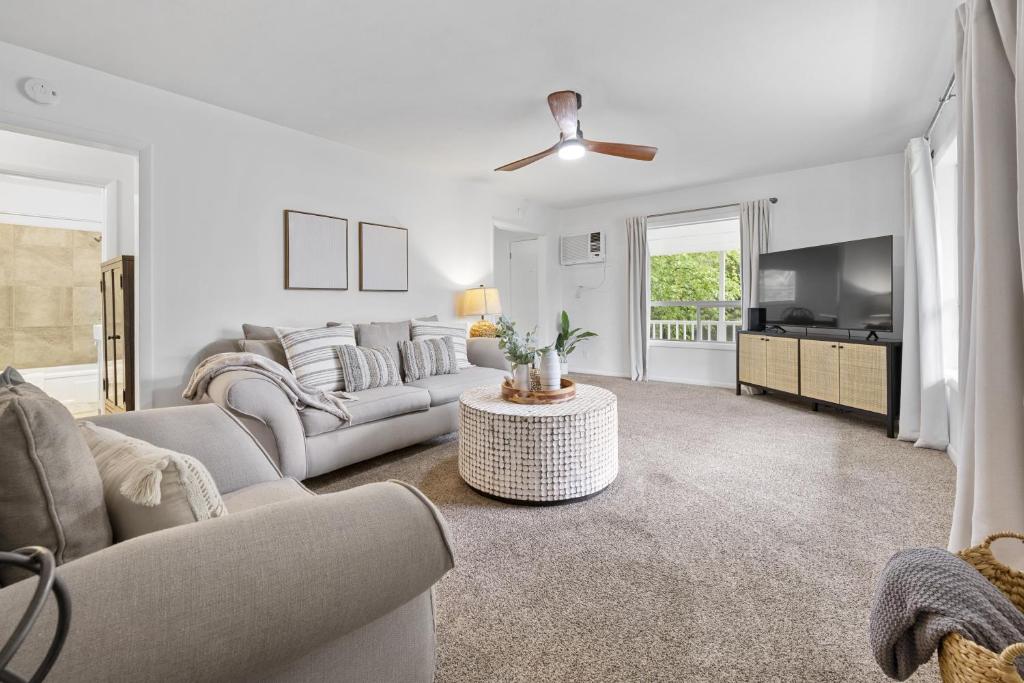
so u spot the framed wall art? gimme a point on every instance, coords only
(315, 251)
(383, 258)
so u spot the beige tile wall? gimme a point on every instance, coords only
(49, 296)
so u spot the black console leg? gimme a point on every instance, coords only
(890, 428)
(814, 407)
(737, 388)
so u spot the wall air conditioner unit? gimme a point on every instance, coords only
(586, 248)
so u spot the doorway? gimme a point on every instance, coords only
(64, 209)
(523, 290)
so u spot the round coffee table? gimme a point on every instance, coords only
(538, 454)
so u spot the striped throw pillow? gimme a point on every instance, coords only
(368, 367)
(311, 355)
(428, 357)
(426, 329)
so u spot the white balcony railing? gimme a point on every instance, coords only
(686, 330)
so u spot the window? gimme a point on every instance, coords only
(695, 281)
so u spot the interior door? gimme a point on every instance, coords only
(523, 306)
(862, 377)
(109, 346)
(819, 369)
(752, 358)
(782, 369)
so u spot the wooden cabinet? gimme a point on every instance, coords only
(858, 374)
(819, 370)
(862, 377)
(782, 364)
(769, 362)
(117, 289)
(752, 359)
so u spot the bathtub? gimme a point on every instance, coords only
(76, 386)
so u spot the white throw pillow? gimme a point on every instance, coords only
(311, 355)
(147, 488)
(426, 329)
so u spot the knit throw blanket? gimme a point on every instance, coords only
(925, 594)
(300, 395)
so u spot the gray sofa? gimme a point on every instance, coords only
(288, 586)
(307, 443)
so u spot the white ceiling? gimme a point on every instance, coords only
(724, 88)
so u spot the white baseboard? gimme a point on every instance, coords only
(654, 378)
(695, 382)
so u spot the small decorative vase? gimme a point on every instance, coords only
(564, 366)
(550, 371)
(521, 377)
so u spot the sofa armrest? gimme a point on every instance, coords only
(484, 351)
(208, 433)
(268, 413)
(228, 598)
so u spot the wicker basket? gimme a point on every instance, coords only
(964, 661)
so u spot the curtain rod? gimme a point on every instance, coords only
(947, 95)
(773, 200)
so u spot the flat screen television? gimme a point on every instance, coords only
(845, 286)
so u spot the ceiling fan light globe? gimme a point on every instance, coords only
(571, 149)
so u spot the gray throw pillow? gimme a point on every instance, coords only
(429, 357)
(50, 490)
(10, 377)
(264, 347)
(368, 368)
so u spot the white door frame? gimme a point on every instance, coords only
(143, 151)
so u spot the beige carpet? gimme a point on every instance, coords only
(740, 542)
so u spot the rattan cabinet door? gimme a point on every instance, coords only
(752, 359)
(862, 377)
(819, 370)
(782, 369)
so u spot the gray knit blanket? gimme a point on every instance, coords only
(300, 395)
(926, 593)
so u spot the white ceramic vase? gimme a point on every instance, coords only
(564, 367)
(521, 377)
(550, 371)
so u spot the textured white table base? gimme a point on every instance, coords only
(539, 454)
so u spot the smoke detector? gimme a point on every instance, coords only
(40, 91)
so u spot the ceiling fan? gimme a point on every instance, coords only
(565, 106)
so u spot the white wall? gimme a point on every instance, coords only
(214, 184)
(834, 203)
(50, 204)
(113, 173)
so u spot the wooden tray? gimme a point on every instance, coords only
(566, 393)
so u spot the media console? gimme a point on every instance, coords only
(857, 374)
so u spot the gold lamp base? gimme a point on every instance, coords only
(483, 328)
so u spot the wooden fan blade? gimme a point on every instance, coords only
(528, 160)
(617, 149)
(565, 109)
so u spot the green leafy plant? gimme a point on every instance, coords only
(519, 348)
(569, 338)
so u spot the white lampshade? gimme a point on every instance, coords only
(481, 301)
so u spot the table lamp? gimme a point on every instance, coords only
(482, 301)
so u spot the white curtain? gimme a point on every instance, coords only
(639, 295)
(755, 229)
(990, 459)
(924, 414)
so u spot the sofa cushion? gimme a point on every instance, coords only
(148, 488)
(388, 335)
(267, 348)
(50, 490)
(264, 493)
(262, 332)
(370, 405)
(447, 388)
